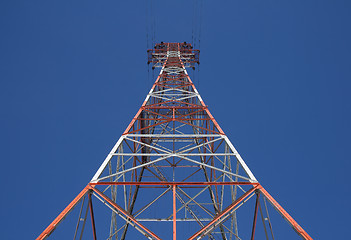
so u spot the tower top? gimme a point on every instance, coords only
(171, 51)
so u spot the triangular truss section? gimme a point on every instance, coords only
(174, 166)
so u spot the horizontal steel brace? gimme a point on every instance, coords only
(174, 135)
(170, 220)
(180, 154)
(175, 183)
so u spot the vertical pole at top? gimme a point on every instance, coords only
(174, 214)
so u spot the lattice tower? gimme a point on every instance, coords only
(173, 173)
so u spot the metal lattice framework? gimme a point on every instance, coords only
(173, 167)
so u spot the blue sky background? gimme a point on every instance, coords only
(275, 74)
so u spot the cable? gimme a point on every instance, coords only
(198, 76)
(152, 24)
(147, 26)
(196, 32)
(201, 10)
(147, 39)
(193, 24)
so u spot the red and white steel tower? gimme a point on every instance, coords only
(173, 173)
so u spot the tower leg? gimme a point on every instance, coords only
(174, 214)
(299, 230)
(63, 214)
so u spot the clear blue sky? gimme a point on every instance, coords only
(275, 74)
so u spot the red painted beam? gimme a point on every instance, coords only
(225, 211)
(174, 183)
(63, 214)
(121, 210)
(285, 215)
